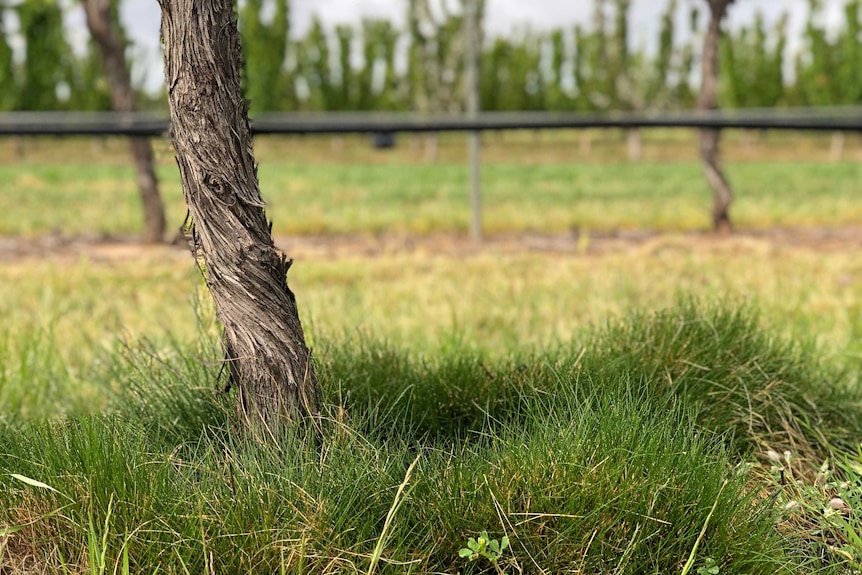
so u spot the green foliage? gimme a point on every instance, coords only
(654, 81)
(558, 94)
(374, 86)
(346, 82)
(376, 83)
(89, 88)
(512, 79)
(8, 77)
(47, 55)
(827, 70)
(593, 81)
(590, 67)
(436, 55)
(608, 75)
(313, 66)
(752, 60)
(850, 84)
(265, 50)
(670, 85)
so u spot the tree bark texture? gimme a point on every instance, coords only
(112, 50)
(264, 343)
(709, 137)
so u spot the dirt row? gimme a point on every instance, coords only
(102, 248)
(54, 247)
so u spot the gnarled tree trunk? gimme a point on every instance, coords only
(265, 347)
(112, 48)
(709, 137)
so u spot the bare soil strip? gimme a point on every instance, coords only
(100, 248)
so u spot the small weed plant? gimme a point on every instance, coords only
(822, 504)
(485, 547)
(709, 567)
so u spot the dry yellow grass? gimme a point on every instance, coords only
(426, 295)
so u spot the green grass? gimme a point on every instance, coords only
(59, 316)
(582, 465)
(491, 302)
(421, 198)
(533, 394)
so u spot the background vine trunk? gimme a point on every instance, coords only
(264, 343)
(710, 138)
(112, 49)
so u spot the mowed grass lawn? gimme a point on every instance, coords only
(675, 407)
(308, 193)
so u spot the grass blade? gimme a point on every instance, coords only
(690, 563)
(396, 503)
(33, 482)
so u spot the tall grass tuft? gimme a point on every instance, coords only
(768, 392)
(760, 390)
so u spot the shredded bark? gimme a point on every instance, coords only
(265, 349)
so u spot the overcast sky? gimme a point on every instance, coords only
(502, 16)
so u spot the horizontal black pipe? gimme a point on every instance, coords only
(144, 124)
